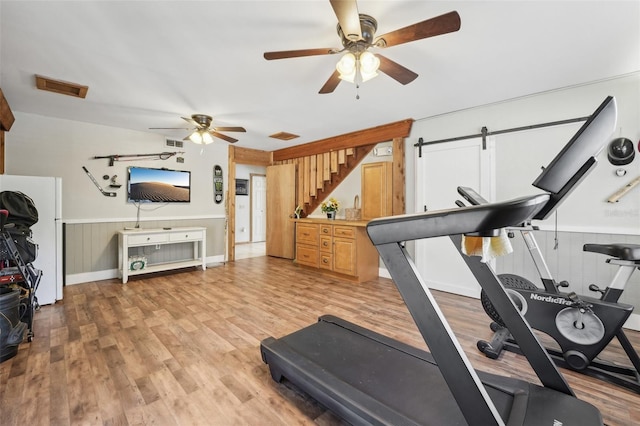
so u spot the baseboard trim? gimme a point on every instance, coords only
(109, 274)
(384, 273)
(87, 277)
(633, 323)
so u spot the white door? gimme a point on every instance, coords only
(258, 208)
(441, 169)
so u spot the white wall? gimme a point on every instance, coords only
(45, 146)
(519, 156)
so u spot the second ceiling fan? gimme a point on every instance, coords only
(357, 32)
(203, 133)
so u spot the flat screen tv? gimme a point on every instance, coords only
(147, 185)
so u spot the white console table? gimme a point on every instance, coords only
(157, 237)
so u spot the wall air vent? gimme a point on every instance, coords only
(284, 136)
(62, 87)
(174, 143)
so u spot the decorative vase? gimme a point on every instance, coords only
(331, 215)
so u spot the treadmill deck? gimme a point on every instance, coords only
(367, 378)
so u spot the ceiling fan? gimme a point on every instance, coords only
(203, 133)
(357, 32)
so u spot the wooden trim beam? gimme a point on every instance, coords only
(250, 156)
(387, 132)
(399, 178)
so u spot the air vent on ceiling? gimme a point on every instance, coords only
(174, 143)
(284, 136)
(62, 87)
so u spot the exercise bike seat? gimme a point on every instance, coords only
(619, 250)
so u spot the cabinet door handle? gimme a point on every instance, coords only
(325, 260)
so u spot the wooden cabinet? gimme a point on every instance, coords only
(307, 238)
(377, 189)
(336, 247)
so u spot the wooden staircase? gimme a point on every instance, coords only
(319, 174)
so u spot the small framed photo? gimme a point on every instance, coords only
(242, 186)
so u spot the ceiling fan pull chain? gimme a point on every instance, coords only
(357, 78)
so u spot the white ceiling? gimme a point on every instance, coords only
(147, 63)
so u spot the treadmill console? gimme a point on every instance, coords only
(471, 196)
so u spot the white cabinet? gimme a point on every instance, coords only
(128, 265)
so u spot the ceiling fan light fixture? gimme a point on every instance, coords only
(206, 137)
(365, 65)
(201, 137)
(346, 66)
(369, 64)
(195, 137)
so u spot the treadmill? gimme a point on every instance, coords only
(369, 379)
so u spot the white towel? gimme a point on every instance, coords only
(487, 247)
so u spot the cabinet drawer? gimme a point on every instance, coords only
(306, 255)
(134, 240)
(185, 236)
(325, 229)
(325, 243)
(326, 261)
(344, 231)
(307, 233)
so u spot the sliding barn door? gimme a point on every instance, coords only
(439, 172)
(281, 202)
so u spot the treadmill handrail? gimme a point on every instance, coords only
(388, 234)
(461, 220)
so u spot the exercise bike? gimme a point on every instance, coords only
(581, 325)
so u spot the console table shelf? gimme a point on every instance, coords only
(130, 238)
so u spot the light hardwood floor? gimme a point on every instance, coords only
(183, 348)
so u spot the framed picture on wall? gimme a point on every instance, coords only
(242, 186)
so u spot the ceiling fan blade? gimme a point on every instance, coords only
(191, 121)
(221, 136)
(443, 24)
(229, 129)
(396, 71)
(331, 84)
(348, 17)
(299, 53)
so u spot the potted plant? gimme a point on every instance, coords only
(330, 207)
